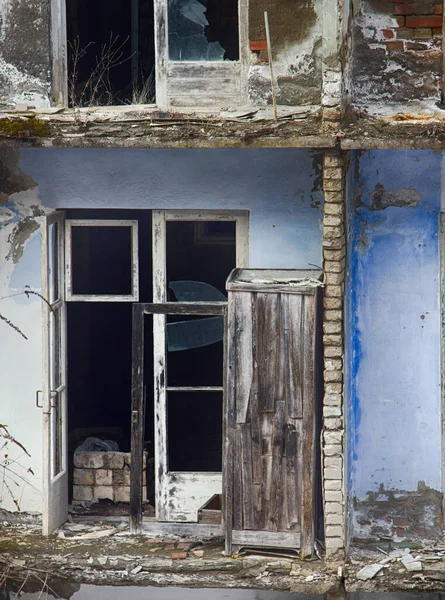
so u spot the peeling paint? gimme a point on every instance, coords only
(399, 514)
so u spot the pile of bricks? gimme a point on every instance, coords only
(334, 252)
(417, 25)
(104, 475)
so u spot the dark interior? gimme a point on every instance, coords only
(110, 61)
(100, 336)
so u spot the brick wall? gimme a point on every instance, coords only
(417, 25)
(104, 475)
(334, 252)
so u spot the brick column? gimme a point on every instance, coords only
(334, 253)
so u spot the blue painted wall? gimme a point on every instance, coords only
(393, 324)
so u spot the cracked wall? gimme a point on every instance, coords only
(395, 52)
(393, 362)
(25, 69)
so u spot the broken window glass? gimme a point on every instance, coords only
(203, 30)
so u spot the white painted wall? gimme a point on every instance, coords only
(274, 185)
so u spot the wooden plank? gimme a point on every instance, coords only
(292, 486)
(182, 85)
(308, 474)
(238, 486)
(186, 308)
(275, 496)
(193, 531)
(137, 411)
(228, 424)
(221, 101)
(294, 350)
(303, 290)
(267, 321)
(201, 388)
(271, 539)
(243, 355)
(203, 70)
(247, 479)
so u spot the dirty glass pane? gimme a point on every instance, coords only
(203, 30)
(195, 291)
(194, 351)
(101, 260)
(194, 431)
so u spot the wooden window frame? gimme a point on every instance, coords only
(72, 297)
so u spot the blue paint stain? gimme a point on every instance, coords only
(393, 412)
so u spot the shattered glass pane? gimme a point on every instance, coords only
(185, 335)
(195, 291)
(187, 28)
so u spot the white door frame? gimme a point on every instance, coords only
(55, 443)
(192, 489)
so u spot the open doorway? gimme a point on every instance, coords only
(105, 248)
(111, 56)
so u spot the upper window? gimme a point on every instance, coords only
(118, 50)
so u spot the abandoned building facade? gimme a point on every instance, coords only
(221, 273)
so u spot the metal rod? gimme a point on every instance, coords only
(269, 56)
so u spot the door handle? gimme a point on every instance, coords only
(53, 394)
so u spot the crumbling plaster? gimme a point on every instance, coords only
(379, 76)
(393, 362)
(296, 41)
(24, 67)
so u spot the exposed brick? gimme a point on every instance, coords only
(122, 494)
(330, 233)
(393, 46)
(114, 460)
(333, 209)
(438, 9)
(333, 462)
(332, 327)
(103, 492)
(336, 185)
(332, 221)
(82, 492)
(333, 423)
(333, 351)
(332, 411)
(334, 388)
(401, 21)
(333, 302)
(179, 555)
(329, 254)
(334, 244)
(89, 460)
(333, 544)
(333, 437)
(334, 291)
(416, 46)
(334, 266)
(334, 508)
(332, 340)
(333, 173)
(423, 34)
(404, 34)
(402, 9)
(401, 521)
(333, 449)
(333, 196)
(104, 477)
(388, 33)
(334, 278)
(428, 21)
(332, 400)
(335, 532)
(333, 485)
(421, 7)
(333, 364)
(333, 376)
(333, 315)
(437, 31)
(333, 519)
(83, 476)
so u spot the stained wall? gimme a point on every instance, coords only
(393, 333)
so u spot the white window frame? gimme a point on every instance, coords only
(72, 297)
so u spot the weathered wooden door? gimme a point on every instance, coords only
(271, 393)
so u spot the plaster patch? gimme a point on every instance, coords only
(402, 197)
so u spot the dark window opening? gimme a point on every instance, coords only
(111, 53)
(203, 30)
